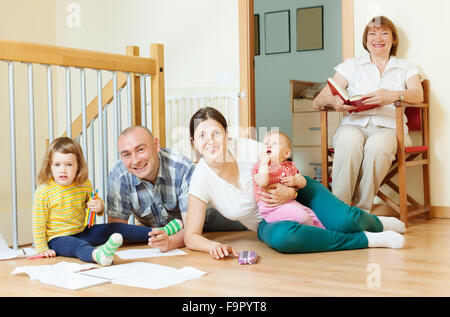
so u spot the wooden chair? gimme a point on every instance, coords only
(418, 120)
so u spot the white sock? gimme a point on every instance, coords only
(392, 223)
(104, 254)
(385, 239)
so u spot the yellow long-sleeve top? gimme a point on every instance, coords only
(59, 211)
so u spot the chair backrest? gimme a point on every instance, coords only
(414, 119)
(414, 114)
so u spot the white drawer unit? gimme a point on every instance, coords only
(306, 159)
(306, 128)
(306, 134)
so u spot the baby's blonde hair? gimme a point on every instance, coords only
(63, 145)
(284, 135)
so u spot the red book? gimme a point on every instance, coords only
(356, 101)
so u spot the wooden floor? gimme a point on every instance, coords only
(421, 268)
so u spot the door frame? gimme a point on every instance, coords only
(247, 60)
(246, 69)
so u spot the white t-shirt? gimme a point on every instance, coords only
(232, 202)
(363, 77)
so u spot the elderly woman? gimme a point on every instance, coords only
(223, 179)
(365, 143)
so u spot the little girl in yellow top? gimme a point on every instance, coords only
(59, 210)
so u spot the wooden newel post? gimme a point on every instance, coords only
(158, 95)
(135, 91)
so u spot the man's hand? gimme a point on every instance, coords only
(159, 239)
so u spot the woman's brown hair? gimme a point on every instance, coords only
(205, 114)
(63, 145)
(202, 115)
(378, 22)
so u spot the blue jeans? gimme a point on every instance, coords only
(82, 244)
(345, 225)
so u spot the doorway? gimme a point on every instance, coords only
(248, 113)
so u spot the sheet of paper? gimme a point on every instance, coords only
(122, 270)
(147, 253)
(145, 275)
(6, 253)
(62, 274)
(160, 279)
(73, 281)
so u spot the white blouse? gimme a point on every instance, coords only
(232, 202)
(363, 77)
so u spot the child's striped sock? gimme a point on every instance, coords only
(104, 254)
(173, 227)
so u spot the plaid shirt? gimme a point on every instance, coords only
(152, 205)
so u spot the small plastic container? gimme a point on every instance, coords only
(247, 257)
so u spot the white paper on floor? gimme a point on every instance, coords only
(62, 274)
(147, 253)
(145, 275)
(76, 276)
(6, 253)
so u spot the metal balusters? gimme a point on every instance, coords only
(130, 120)
(119, 117)
(104, 172)
(68, 104)
(91, 156)
(90, 141)
(32, 131)
(50, 103)
(116, 114)
(129, 99)
(83, 113)
(13, 155)
(100, 135)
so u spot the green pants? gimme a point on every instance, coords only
(345, 225)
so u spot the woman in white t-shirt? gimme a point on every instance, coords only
(365, 143)
(223, 179)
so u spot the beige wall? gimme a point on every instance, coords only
(33, 21)
(422, 26)
(200, 37)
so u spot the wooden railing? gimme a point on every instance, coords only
(131, 63)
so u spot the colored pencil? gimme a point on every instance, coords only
(90, 216)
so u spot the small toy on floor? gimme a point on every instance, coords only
(247, 257)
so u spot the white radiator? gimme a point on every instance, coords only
(179, 110)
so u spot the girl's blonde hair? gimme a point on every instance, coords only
(63, 145)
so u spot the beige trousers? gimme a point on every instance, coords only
(362, 158)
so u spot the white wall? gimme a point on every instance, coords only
(422, 27)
